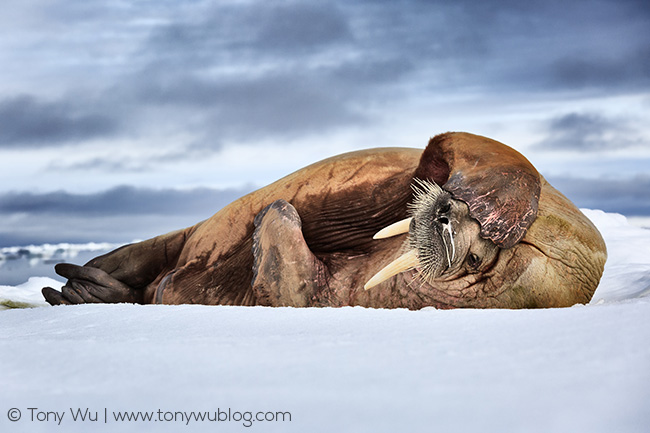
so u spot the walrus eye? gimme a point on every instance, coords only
(445, 207)
(473, 261)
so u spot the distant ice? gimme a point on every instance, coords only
(17, 264)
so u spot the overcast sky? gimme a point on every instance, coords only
(123, 120)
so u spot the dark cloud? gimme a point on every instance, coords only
(484, 46)
(123, 200)
(27, 121)
(603, 70)
(629, 197)
(117, 215)
(276, 88)
(248, 109)
(282, 106)
(251, 70)
(245, 32)
(301, 27)
(588, 132)
(38, 229)
(549, 46)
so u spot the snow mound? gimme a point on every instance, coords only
(26, 295)
(627, 270)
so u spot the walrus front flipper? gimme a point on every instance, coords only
(285, 271)
(89, 285)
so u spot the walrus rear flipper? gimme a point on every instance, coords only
(285, 271)
(121, 275)
(137, 265)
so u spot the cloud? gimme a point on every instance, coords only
(119, 214)
(122, 200)
(105, 164)
(621, 68)
(192, 151)
(249, 109)
(249, 70)
(248, 32)
(588, 132)
(300, 27)
(629, 197)
(27, 121)
(38, 229)
(250, 73)
(492, 47)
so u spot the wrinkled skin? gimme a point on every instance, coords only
(496, 235)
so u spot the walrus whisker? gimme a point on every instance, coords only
(394, 229)
(406, 261)
(425, 193)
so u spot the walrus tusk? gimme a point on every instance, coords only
(403, 263)
(447, 228)
(394, 229)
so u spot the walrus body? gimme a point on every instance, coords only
(307, 240)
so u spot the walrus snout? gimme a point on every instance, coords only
(431, 248)
(435, 217)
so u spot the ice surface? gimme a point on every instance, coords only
(583, 368)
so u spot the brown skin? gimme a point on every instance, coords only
(306, 240)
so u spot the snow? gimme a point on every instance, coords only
(27, 294)
(583, 368)
(627, 271)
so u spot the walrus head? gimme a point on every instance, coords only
(443, 239)
(488, 199)
(485, 229)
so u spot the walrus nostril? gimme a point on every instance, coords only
(443, 220)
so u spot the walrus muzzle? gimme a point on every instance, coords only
(431, 248)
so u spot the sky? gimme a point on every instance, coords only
(124, 120)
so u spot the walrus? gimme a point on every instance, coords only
(466, 222)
